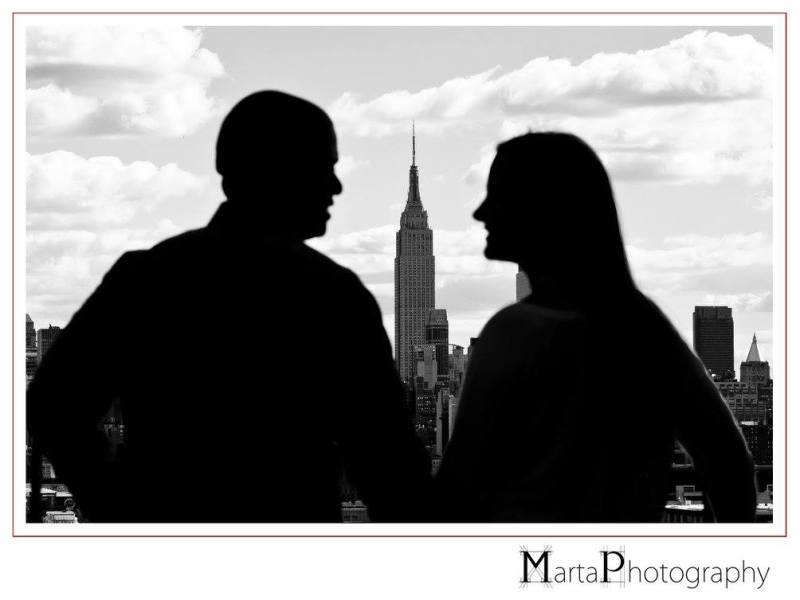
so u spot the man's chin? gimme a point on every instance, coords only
(494, 253)
(314, 232)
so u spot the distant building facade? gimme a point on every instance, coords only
(750, 401)
(31, 353)
(45, 339)
(30, 332)
(444, 401)
(742, 399)
(753, 369)
(426, 371)
(713, 340)
(758, 436)
(437, 334)
(425, 418)
(354, 512)
(451, 415)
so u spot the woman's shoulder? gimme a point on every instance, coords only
(664, 345)
(533, 317)
(527, 327)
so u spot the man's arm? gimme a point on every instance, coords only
(74, 387)
(383, 457)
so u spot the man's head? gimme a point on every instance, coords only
(276, 154)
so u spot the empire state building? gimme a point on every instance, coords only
(413, 275)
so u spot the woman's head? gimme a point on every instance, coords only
(549, 207)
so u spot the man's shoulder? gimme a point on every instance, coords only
(176, 257)
(316, 260)
(187, 241)
(184, 252)
(207, 238)
(130, 262)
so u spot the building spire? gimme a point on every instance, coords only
(413, 145)
(753, 355)
(414, 202)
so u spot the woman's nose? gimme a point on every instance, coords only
(480, 212)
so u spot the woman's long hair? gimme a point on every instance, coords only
(574, 224)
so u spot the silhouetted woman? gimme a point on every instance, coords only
(574, 396)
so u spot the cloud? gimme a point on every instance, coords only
(371, 251)
(82, 214)
(460, 243)
(763, 202)
(384, 294)
(375, 240)
(68, 191)
(478, 172)
(389, 113)
(347, 164)
(701, 67)
(747, 302)
(52, 108)
(694, 110)
(119, 80)
(735, 269)
(708, 252)
(677, 144)
(464, 295)
(64, 267)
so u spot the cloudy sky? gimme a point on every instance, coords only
(121, 124)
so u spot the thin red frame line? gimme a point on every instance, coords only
(395, 13)
(13, 292)
(466, 535)
(786, 272)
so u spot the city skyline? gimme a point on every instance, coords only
(113, 171)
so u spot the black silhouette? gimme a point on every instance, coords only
(574, 396)
(249, 368)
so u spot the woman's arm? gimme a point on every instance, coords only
(708, 430)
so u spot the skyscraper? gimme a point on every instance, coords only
(31, 355)
(458, 361)
(30, 332)
(45, 339)
(437, 333)
(413, 275)
(713, 340)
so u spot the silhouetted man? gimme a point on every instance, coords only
(249, 367)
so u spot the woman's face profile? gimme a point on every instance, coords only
(507, 222)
